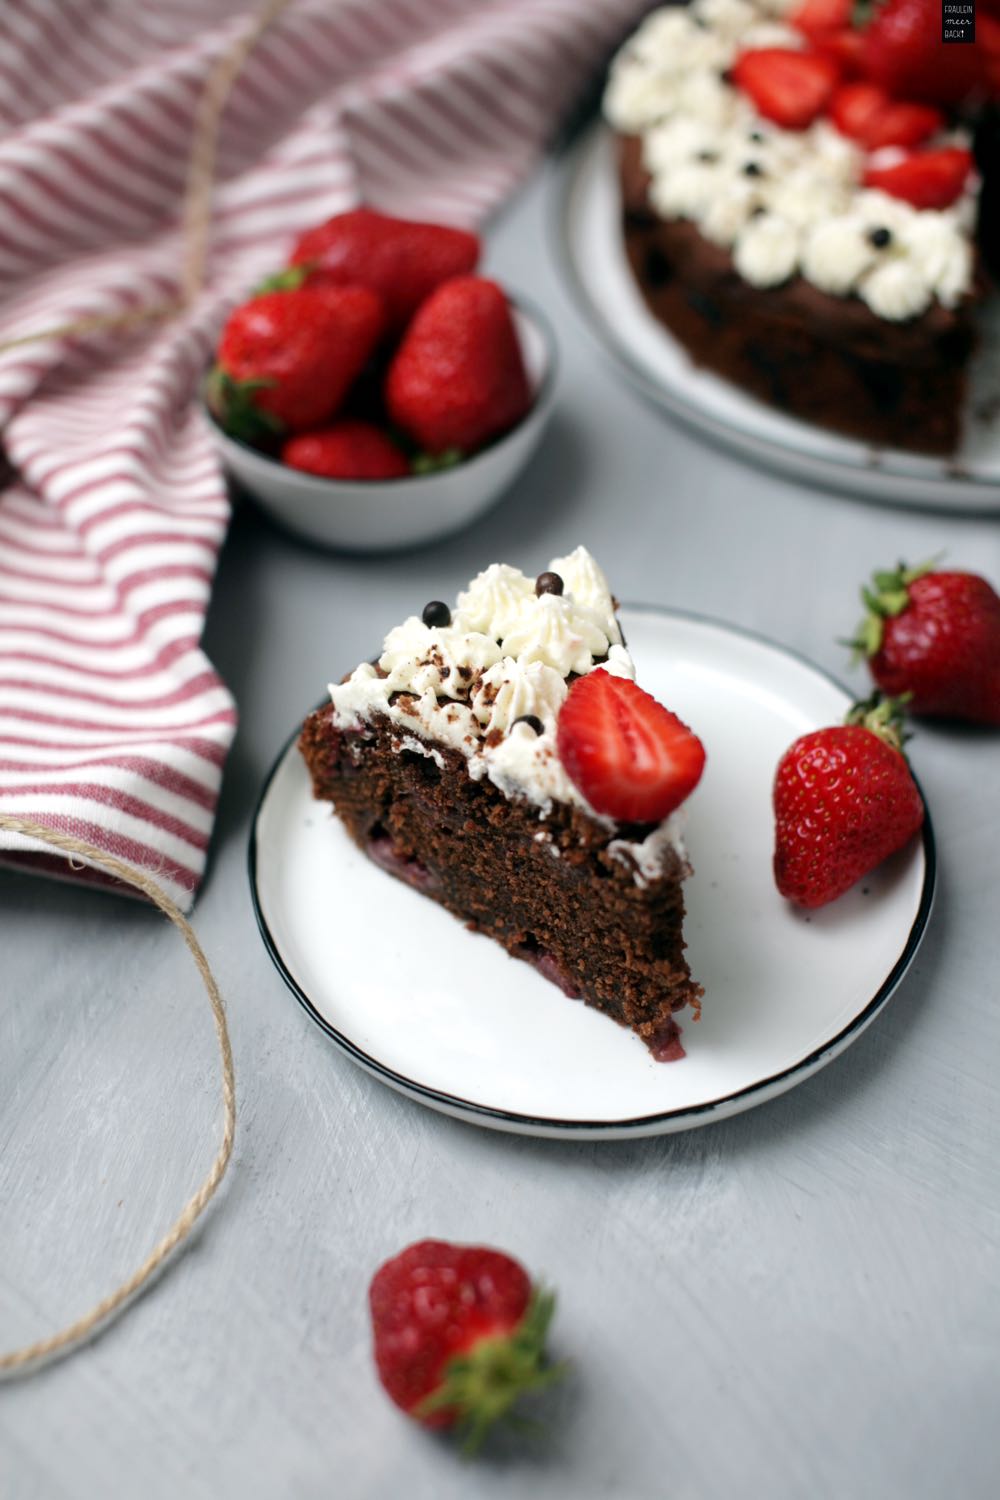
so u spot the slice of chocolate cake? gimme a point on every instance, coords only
(456, 761)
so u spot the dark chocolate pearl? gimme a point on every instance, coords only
(548, 583)
(532, 720)
(880, 237)
(752, 169)
(436, 613)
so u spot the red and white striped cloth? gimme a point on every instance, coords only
(113, 725)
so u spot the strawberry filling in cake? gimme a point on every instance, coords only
(500, 758)
(802, 203)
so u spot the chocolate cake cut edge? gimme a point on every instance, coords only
(557, 890)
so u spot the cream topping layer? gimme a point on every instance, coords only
(783, 201)
(506, 656)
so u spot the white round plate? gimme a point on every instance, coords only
(589, 239)
(445, 1016)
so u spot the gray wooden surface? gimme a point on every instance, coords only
(798, 1302)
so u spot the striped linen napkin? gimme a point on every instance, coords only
(114, 727)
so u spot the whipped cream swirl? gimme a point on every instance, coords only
(484, 684)
(784, 202)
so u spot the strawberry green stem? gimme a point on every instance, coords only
(883, 716)
(433, 463)
(232, 404)
(887, 596)
(288, 280)
(480, 1387)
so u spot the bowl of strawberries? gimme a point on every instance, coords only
(378, 393)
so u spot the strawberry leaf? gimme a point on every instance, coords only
(883, 716)
(886, 597)
(288, 280)
(232, 404)
(481, 1386)
(434, 463)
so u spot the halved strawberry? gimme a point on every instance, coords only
(814, 17)
(631, 758)
(789, 87)
(927, 179)
(854, 106)
(902, 124)
(866, 113)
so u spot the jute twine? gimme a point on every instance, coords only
(31, 1354)
(196, 227)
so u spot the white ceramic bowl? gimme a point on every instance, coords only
(358, 515)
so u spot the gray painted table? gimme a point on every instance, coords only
(798, 1302)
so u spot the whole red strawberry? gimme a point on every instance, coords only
(458, 377)
(631, 758)
(934, 636)
(348, 449)
(399, 259)
(286, 359)
(904, 52)
(844, 800)
(459, 1334)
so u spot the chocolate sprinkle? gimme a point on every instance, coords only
(436, 613)
(753, 169)
(880, 237)
(548, 583)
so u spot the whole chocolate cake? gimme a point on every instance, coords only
(443, 761)
(798, 260)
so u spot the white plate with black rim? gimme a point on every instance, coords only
(590, 246)
(445, 1016)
